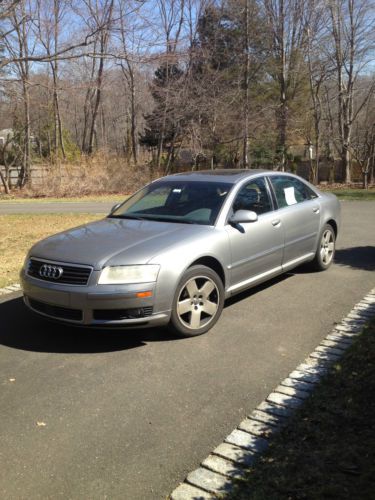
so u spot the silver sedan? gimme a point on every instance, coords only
(175, 250)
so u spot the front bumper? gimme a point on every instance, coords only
(93, 305)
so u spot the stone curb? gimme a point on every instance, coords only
(16, 287)
(244, 445)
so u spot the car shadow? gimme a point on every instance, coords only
(21, 329)
(356, 257)
(256, 289)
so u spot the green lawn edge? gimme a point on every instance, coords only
(354, 194)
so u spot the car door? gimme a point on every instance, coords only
(256, 247)
(299, 214)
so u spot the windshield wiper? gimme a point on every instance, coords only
(171, 219)
(127, 216)
(155, 218)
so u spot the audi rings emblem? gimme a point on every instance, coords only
(52, 272)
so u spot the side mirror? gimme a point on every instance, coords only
(242, 216)
(115, 207)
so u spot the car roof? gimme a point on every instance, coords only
(227, 175)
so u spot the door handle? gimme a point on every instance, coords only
(276, 222)
(316, 210)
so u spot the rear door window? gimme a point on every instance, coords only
(290, 191)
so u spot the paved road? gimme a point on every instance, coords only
(128, 415)
(45, 207)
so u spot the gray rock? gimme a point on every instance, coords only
(267, 418)
(238, 455)
(257, 428)
(329, 350)
(247, 441)
(187, 492)
(343, 346)
(209, 481)
(223, 466)
(273, 409)
(290, 391)
(297, 384)
(284, 400)
(311, 378)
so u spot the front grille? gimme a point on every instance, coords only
(56, 311)
(71, 274)
(119, 314)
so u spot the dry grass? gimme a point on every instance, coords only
(101, 173)
(19, 232)
(18, 196)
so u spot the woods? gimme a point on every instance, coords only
(129, 88)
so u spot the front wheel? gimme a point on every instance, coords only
(198, 302)
(326, 249)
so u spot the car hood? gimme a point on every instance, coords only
(114, 242)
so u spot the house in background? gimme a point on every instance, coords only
(6, 135)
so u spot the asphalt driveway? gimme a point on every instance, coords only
(98, 414)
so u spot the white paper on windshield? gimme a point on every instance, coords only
(290, 197)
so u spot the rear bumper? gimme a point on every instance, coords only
(112, 306)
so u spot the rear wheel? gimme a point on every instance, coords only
(326, 249)
(198, 302)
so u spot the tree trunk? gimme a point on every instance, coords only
(245, 151)
(283, 109)
(5, 183)
(24, 176)
(365, 179)
(103, 44)
(133, 122)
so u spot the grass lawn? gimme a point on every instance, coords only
(327, 451)
(19, 232)
(354, 194)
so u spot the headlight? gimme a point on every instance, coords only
(26, 263)
(122, 275)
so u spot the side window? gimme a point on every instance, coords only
(253, 196)
(289, 190)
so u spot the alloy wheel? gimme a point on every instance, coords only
(198, 302)
(327, 247)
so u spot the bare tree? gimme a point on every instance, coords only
(128, 59)
(49, 18)
(171, 15)
(246, 82)
(103, 18)
(17, 44)
(287, 21)
(363, 141)
(352, 31)
(319, 70)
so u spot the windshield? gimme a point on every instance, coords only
(188, 202)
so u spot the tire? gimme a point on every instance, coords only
(326, 249)
(198, 302)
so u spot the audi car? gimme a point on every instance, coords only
(175, 250)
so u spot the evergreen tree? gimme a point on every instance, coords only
(163, 88)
